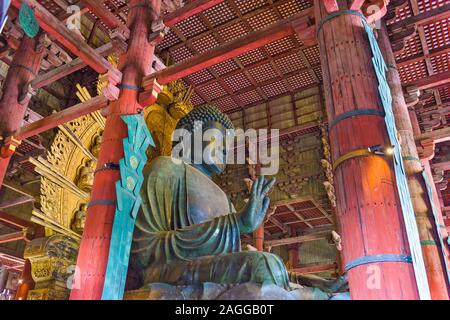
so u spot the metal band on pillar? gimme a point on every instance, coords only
(410, 158)
(21, 66)
(130, 87)
(337, 14)
(377, 259)
(102, 202)
(350, 155)
(354, 113)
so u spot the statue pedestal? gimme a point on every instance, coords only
(53, 261)
(55, 290)
(212, 291)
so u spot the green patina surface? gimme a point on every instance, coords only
(188, 231)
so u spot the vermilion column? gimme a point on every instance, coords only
(432, 252)
(134, 64)
(27, 282)
(258, 237)
(369, 216)
(293, 255)
(436, 195)
(15, 99)
(293, 251)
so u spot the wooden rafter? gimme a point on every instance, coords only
(239, 46)
(14, 222)
(62, 117)
(106, 16)
(188, 11)
(300, 239)
(70, 40)
(68, 68)
(15, 202)
(435, 81)
(11, 237)
(433, 15)
(423, 43)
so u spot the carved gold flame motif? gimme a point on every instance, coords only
(67, 171)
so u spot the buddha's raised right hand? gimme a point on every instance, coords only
(253, 214)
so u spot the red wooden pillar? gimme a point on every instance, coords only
(436, 194)
(431, 249)
(375, 246)
(134, 64)
(258, 237)
(27, 282)
(15, 99)
(293, 251)
(293, 255)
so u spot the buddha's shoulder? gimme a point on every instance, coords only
(164, 166)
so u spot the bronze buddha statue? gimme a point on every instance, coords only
(188, 231)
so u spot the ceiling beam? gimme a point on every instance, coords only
(15, 202)
(437, 14)
(61, 117)
(431, 82)
(279, 224)
(68, 68)
(299, 239)
(107, 17)
(431, 54)
(299, 216)
(438, 136)
(69, 39)
(232, 49)
(188, 11)
(15, 222)
(20, 189)
(12, 237)
(317, 268)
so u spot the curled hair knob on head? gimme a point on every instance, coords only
(205, 113)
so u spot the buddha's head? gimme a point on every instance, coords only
(208, 128)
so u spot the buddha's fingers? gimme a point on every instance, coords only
(265, 206)
(261, 181)
(269, 185)
(255, 187)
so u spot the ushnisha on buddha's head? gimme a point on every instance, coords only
(200, 139)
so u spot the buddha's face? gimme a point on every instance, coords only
(214, 148)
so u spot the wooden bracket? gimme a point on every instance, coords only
(26, 92)
(331, 5)
(412, 96)
(159, 30)
(374, 10)
(119, 46)
(426, 149)
(151, 89)
(400, 38)
(111, 91)
(306, 31)
(121, 32)
(9, 147)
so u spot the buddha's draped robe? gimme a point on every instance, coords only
(176, 243)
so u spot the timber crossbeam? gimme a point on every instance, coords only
(189, 10)
(70, 40)
(60, 118)
(234, 48)
(300, 239)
